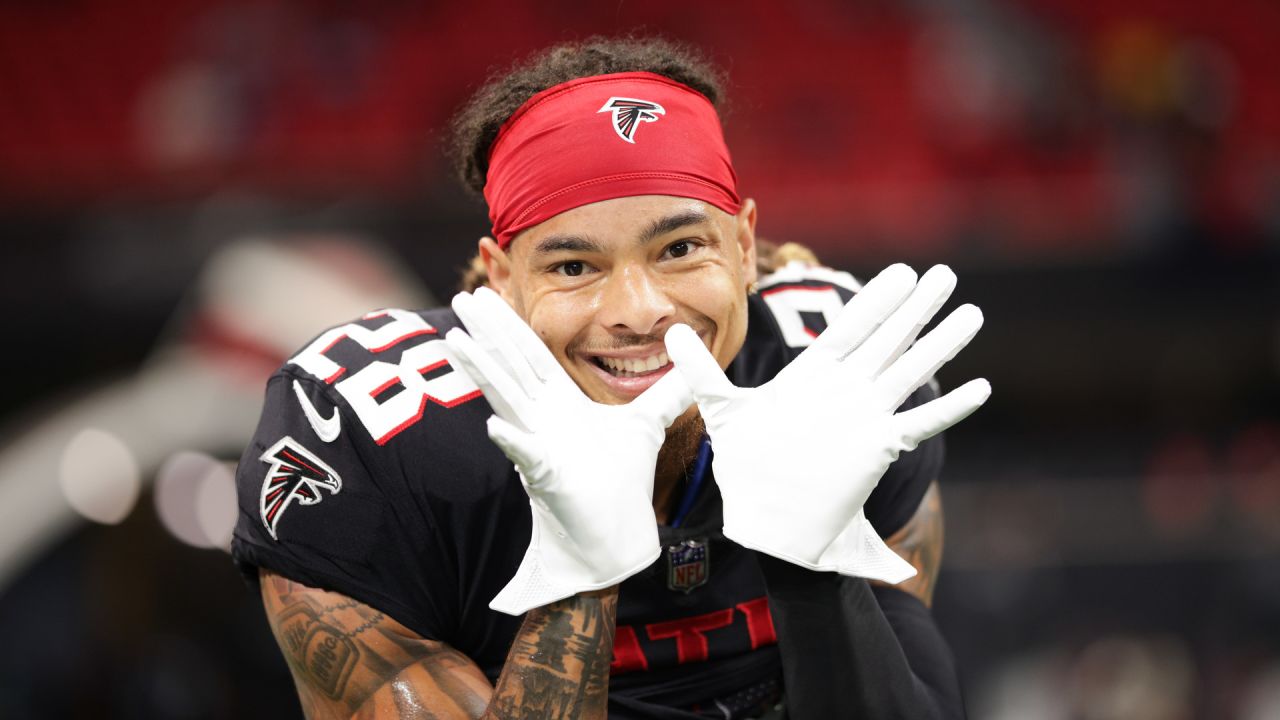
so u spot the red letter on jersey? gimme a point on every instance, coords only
(627, 654)
(691, 644)
(759, 622)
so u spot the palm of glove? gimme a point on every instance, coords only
(587, 468)
(798, 457)
(815, 474)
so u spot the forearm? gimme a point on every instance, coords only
(351, 661)
(843, 657)
(558, 666)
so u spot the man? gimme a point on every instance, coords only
(397, 546)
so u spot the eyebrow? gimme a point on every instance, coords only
(658, 228)
(566, 243)
(667, 224)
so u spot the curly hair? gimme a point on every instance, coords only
(476, 125)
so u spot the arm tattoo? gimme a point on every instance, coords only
(350, 660)
(343, 653)
(558, 666)
(920, 543)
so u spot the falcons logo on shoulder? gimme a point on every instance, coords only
(295, 474)
(629, 112)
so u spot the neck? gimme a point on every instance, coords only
(675, 460)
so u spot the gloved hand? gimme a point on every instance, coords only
(796, 458)
(587, 467)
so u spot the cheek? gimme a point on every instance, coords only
(714, 285)
(558, 319)
(733, 333)
(721, 298)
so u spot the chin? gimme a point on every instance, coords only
(683, 438)
(688, 424)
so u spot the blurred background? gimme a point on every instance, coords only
(191, 189)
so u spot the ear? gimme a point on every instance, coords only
(745, 225)
(497, 265)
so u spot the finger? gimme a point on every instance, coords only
(517, 334)
(892, 337)
(866, 311)
(519, 447)
(505, 395)
(476, 325)
(922, 361)
(666, 399)
(487, 326)
(696, 364)
(921, 423)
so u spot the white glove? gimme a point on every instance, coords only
(587, 467)
(796, 458)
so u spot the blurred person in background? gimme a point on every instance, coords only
(408, 569)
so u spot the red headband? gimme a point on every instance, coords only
(605, 137)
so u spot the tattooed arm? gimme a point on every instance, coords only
(351, 661)
(920, 543)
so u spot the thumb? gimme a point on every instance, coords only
(696, 365)
(665, 399)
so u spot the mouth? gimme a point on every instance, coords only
(622, 374)
(632, 367)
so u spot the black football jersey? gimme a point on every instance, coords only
(371, 475)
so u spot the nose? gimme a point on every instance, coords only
(636, 302)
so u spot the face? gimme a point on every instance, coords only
(601, 285)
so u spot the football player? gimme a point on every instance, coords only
(631, 476)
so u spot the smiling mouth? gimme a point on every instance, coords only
(632, 367)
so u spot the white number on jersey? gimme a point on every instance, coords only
(385, 419)
(788, 298)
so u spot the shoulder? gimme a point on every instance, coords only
(803, 274)
(372, 412)
(389, 369)
(383, 396)
(801, 299)
(370, 468)
(793, 305)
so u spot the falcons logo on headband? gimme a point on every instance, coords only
(629, 112)
(295, 474)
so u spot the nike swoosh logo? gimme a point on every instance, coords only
(326, 429)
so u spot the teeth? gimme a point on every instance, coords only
(635, 366)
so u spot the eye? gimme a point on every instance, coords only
(571, 269)
(681, 248)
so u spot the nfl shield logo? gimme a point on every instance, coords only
(687, 565)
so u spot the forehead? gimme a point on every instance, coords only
(609, 223)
